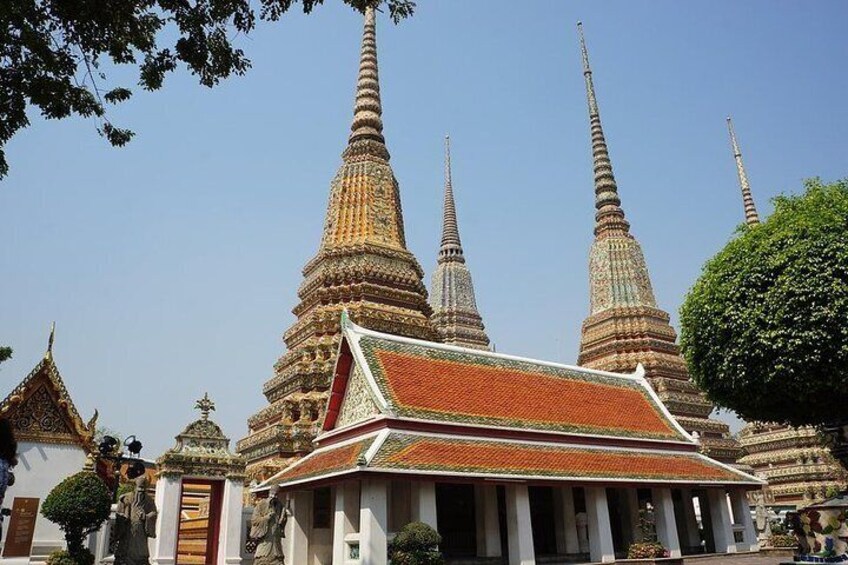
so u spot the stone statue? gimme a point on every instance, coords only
(761, 515)
(268, 528)
(135, 522)
(582, 532)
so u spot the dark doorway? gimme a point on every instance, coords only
(455, 516)
(615, 506)
(542, 520)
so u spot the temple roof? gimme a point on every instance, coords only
(41, 409)
(479, 457)
(420, 380)
(409, 407)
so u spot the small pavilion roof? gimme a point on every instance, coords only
(420, 380)
(451, 457)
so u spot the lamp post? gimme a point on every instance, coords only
(110, 449)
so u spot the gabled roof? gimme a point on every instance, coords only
(476, 457)
(41, 410)
(419, 380)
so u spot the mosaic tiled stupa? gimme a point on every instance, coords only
(798, 468)
(362, 265)
(625, 326)
(455, 314)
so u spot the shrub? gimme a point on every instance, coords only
(62, 557)
(646, 550)
(416, 544)
(79, 505)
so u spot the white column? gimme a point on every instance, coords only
(600, 534)
(692, 531)
(631, 500)
(373, 523)
(344, 518)
(666, 524)
(721, 522)
(167, 498)
(300, 524)
(486, 515)
(424, 503)
(518, 526)
(742, 515)
(229, 540)
(565, 521)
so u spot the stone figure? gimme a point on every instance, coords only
(582, 532)
(135, 522)
(761, 517)
(268, 528)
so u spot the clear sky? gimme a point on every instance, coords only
(171, 266)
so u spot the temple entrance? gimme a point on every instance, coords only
(542, 519)
(456, 519)
(200, 513)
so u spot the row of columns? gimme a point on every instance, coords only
(364, 508)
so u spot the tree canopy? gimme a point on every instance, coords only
(765, 327)
(5, 353)
(54, 54)
(79, 505)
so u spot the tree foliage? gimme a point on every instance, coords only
(54, 54)
(5, 353)
(765, 328)
(79, 505)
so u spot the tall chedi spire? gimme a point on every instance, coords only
(751, 216)
(362, 266)
(625, 327)
(455, 314)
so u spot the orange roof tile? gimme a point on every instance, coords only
(477, 456)
(421, 381)
(325, 462)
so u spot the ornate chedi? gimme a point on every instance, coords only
(798, 468)
(362, 265)
(455, 314)
(625, 327)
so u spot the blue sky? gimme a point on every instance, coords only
(171, 265)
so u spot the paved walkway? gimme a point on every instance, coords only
(739, 560)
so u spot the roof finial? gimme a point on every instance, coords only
(367, 127)
(205, 405)
(751, 216)
(49, 353)
(451, 248)
(608, 215)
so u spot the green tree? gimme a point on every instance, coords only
(765, 327)
(53, 55)
(5, 353)
(79, 505)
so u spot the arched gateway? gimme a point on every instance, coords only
(505, 457)
(199, 494)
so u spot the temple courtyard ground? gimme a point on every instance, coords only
(728, 559)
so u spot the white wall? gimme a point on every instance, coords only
(41, 467)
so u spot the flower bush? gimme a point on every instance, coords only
(646, 550)
(783, 540)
